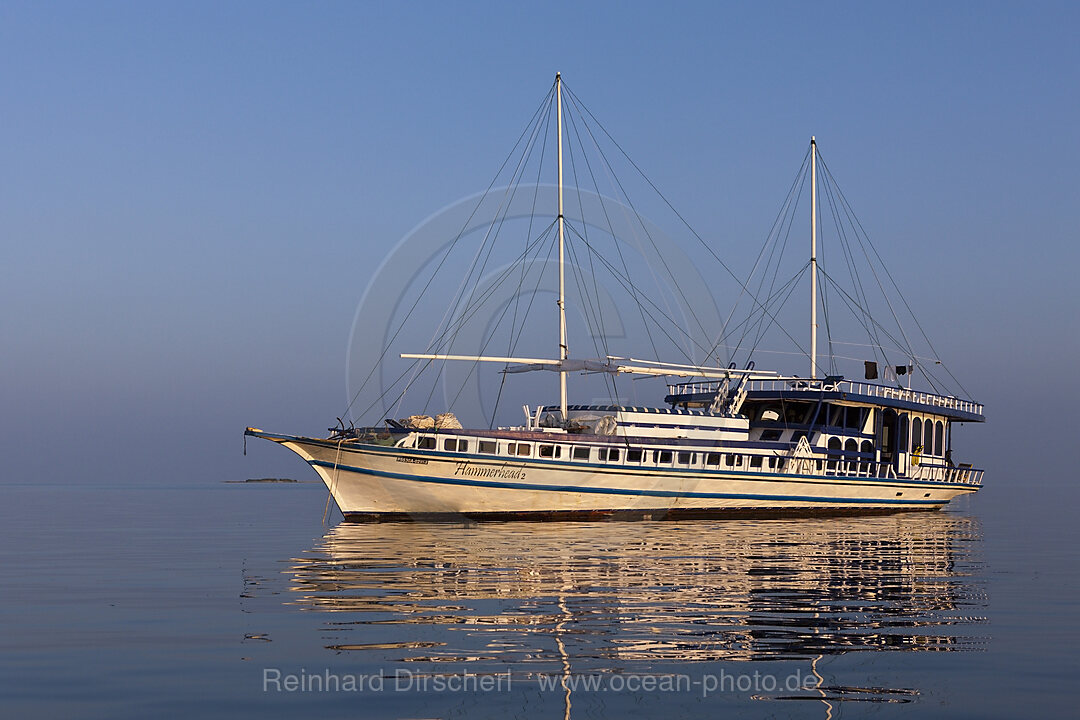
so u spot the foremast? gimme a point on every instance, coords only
(813, 258)
(563, 349)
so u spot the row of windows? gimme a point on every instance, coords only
(804, 413)
(632, 455)
(929, 434)
(838, 462)
(925, 436)
(851, 445)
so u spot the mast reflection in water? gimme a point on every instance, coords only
(606, 595)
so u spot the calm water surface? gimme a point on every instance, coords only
(208, 600)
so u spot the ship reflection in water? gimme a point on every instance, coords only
(617, 596)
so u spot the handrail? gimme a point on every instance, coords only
(850, 386)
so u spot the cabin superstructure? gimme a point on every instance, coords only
(832, 428)
(852, 427)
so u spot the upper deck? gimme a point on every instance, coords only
(836, 389)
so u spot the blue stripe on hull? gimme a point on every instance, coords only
(618, 491)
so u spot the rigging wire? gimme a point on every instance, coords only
(607, 216)
(856, 278)
(896, 287)
(528, 234)
(625, 282)
(491, 334)
(488, 243)
(659, 254)
(386, 347)
(823, 290)
(762, 317)
(427, 362)
(780, 217)
(667, 202)
(599, 330)
(761, 330)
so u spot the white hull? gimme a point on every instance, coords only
(372, 482)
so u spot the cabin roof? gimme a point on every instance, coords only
(839, 390)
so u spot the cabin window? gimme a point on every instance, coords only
(755, 461)
(489, 447)
(426, 443)
(519, 449)
(634, 456)
(609, 454)
(928, 437)
(939, 438)
(455, 445)
(712, 458)
(581, 453)
(853, 419)
(729, 460)
(550, 451)
(916, 434)
(834, 453)
(867, 449)
(797, 436)
(798, 413)
(851, 446)
(662, 457)
(770, 435)
(686, 458)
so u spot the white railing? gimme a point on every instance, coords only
(848, 386)
(947, 473)
(694, 388)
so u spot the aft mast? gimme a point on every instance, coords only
(813, 258)
(563, 350)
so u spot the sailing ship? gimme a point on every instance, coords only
(724, 440)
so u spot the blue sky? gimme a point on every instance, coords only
(193, 196)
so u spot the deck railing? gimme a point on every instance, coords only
(848, 386)
(819, 463)
(947, 473)
(848, 466)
